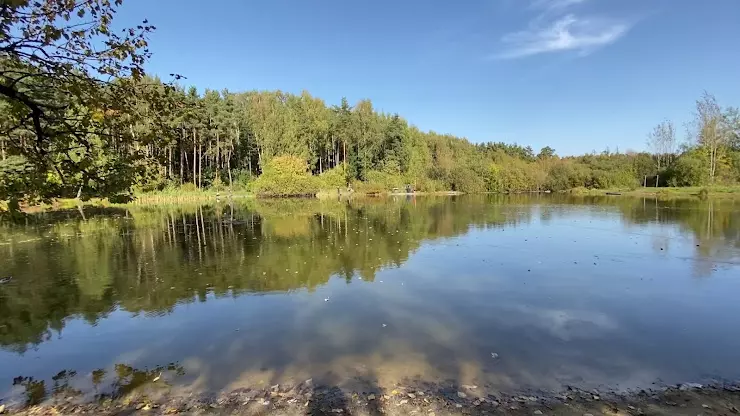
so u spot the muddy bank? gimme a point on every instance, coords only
(308, 398)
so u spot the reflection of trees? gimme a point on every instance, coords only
(714, 225)
(147, 260)
(34, 390)
(120, 382)
(127, 379)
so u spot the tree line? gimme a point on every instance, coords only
(80, 121)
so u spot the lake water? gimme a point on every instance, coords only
(512, 293)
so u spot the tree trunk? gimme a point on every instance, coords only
(228, 167)
(200, 165)
(182, 164)
(195, 158)
(218, 154)
(249, 158)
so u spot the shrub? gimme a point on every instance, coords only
(428, 185)
(243, 180)
(614, 179)
(333, 178)
(218, 184)
(466, 180)
(188, 187)
(690, 169)
(285, 176)
(120, 198)
(379, 182)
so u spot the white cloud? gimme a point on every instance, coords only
(567, 33)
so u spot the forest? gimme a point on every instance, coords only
(78, 121)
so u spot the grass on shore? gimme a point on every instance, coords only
(179, 196)
(667, 192)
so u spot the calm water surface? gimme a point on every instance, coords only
(506, 292)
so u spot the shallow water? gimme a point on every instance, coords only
(513, 293)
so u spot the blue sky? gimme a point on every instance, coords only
(578, 75)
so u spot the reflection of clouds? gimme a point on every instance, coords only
(565, 324)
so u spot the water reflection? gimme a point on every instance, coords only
(432, 286)
(101, 384)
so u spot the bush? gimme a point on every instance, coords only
(561, 178)
(379, 182)
(243, 180)
(333, 178)
(16, 176)
(614, 179)
(188, 187)
(120, 198)
(428, 185)
(218, 185)
(580, 190)
(466, 180)
(285, 176)
(690, 169)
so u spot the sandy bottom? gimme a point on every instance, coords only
(430, 399)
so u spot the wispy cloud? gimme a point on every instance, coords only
(555, 29)
(569, 33)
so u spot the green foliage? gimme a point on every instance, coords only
(77, 134)
(546, 153)
(243, 180)
(380, 182)
(428, 185)
(566, 175)
(621, 178)
(285, 176)
(58, 109)
(690, 169)
(188, 187)
(18, 178)
(333, 178)
(464, 179)
(515, 177)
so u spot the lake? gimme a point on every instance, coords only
(508, 292)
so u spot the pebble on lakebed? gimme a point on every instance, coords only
(425, 398)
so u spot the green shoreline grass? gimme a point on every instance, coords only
(173, 197)
(667, 192)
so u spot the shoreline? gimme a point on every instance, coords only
(429, 399)
(199, 197)
(663, 193)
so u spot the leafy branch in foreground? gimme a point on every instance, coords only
(69, 85)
